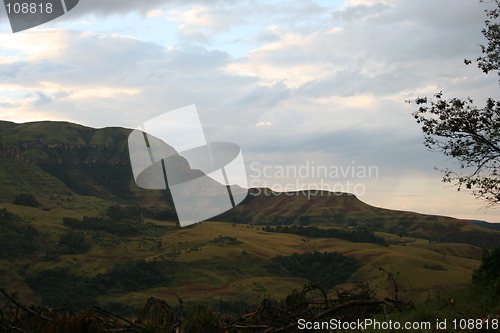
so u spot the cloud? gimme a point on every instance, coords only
(202, 21)
(298, 73)
(310, 81)
(118, 78)
(387, 51)
(154, 13)
(30, 47)
(359, 12)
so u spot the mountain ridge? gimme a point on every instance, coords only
(68, 159)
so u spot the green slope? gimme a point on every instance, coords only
(19, 176)
(264, 207)
(212, 262)
(78, 159)
(49, 158)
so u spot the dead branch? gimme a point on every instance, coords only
(131, 323)
(19, 305)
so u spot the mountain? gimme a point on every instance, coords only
(329, 209)
(89, 242)
(59, 159)
(489, 225)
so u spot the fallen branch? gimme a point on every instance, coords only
(131, 323)
(19, 305)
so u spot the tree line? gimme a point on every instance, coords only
(356, 235)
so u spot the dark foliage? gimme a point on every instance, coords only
(312, 303)
(490, 60)
(488, 274)
(232, 308)
(59, 287)
(5, 215)
(73, 243)
(434, 267)
(26, 199)
(90, 178)
(326, 269)
(122, 308)
(201, 319)
(103, 224)
(469, 134)
(162, 215)
(131, 277)
(465, 132)
(355, 235)
(120, 213)
(16, 236)
(121, 221)
(225, 240)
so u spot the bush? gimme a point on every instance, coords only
(201, 319)
(225, 240)
(356, 235)
(60, 287)
(16, 237)
(74, 243)
(131, 277)
(118, 213)
(103, 224)
(26, 199)
(434, 267)
(488, 274)
(326, 269)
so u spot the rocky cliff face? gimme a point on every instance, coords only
(9, 151)
(55, 142)
(41, 152)
(88, 161)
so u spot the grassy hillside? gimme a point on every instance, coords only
(57, 158)
(77, 173)
(214, 261)
(57, 132)
(265, 207)
(18, 176)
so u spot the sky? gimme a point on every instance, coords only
(314, 92)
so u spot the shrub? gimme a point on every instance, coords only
(326, 269)
(488, 274)
(26, 199)
(74, 243)
(16, 237)
(201, 319)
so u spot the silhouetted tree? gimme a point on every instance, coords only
(466, 132)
